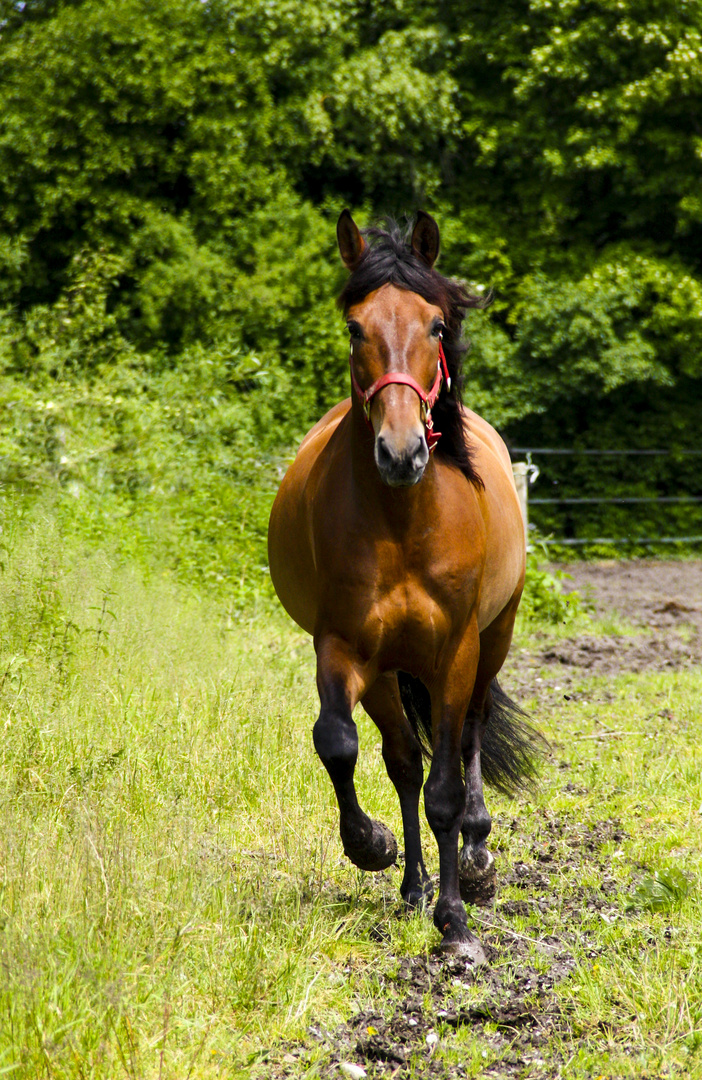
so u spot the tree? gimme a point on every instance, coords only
(202, 150)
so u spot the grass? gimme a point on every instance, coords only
(174, 901)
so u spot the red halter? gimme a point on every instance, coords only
(428, 399)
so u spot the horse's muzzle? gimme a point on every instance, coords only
(401, 468)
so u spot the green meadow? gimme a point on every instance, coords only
(174, 901)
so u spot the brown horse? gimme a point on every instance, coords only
(407, 566)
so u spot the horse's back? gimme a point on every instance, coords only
(481, 431)
(324, 428)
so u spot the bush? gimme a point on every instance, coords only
(543, 599)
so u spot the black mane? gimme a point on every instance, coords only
(388, 259)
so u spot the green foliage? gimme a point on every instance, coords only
(579, 123)
(543, 599)
(152, 149)
(170, 174)
(171, 467)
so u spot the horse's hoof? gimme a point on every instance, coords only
(478, 883)
(468, 949)
(379, 852)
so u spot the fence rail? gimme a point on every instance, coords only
(526, 473)
(602, 453)
(633, 499)
(581, 541)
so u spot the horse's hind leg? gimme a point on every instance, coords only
(340, 681)
(476, 864)
(478, 877)
(444, 792)
(403, 759)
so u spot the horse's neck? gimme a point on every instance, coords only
(400, 508)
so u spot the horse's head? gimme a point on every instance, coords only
(397, 360)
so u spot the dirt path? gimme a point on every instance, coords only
(648, 593)
(656, 611)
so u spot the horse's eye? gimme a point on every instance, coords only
(437, 329)
(354, 330)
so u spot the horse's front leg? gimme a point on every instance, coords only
(403, 760)
(342, 679)
(444, 793)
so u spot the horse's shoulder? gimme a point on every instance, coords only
(327, 425)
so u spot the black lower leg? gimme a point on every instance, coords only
(476, 863)
(404, 765)
(449, 913)
(369, 844)
(444, 800)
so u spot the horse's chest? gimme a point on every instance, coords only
(404, 625)
(398, 598)
(405, 616)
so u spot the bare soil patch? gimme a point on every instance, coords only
(664, 599)
(647, 592)
(660, 603)
(610, 655)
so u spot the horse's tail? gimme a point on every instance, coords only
(511, 745)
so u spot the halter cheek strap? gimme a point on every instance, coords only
(427, 398)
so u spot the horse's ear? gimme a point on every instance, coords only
(351, 243)
(425, 238)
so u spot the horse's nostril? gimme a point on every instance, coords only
(421, 453)
(384, 455)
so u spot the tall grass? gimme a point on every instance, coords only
(169, 883)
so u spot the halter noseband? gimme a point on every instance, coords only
(427, 398)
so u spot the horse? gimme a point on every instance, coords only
(396, 540)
